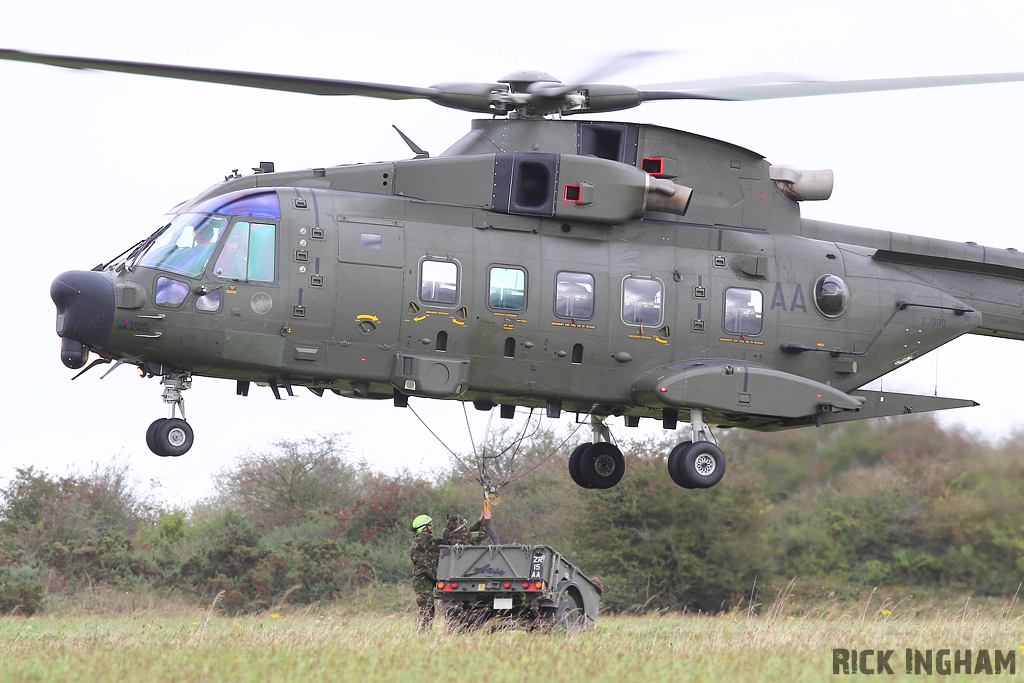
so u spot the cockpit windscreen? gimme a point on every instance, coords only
(186, 244)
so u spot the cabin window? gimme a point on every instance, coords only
(439, 282)
(574, 295)
(248, 253)
(743, 309)
(641, 301)
(831, 296)
(507, 288)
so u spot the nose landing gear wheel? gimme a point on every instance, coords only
(169, 437)
(151, 437)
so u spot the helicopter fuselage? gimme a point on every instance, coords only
(534, 264)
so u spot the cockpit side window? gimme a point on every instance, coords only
(248, 253)
(262, 239)
(232, 262)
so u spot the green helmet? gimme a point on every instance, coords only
(421, 522)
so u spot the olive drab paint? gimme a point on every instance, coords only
(601, 268)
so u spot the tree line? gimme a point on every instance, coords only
(881, 503)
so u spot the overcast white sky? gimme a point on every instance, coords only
(89, 162)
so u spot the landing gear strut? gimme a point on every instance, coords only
(597, 465)
(700, 463)
(172, 436)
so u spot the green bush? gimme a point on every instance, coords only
(879, 503)
(295, 479)
(21, 591)
(255, 576)
(93, 559)
(655, 545)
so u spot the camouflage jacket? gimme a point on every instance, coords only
(424, 555)
(457, 533)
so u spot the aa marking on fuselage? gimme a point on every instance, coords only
(796, 301)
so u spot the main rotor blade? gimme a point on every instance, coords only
(769, 91)
(298, 84)
(608, 67)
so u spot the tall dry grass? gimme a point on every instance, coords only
(351, 642)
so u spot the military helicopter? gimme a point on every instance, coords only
(600, 268)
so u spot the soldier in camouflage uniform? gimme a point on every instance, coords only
(424, 555)
(458, 532)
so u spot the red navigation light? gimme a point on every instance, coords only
(454, 585)
(526, 585)
(508, 584)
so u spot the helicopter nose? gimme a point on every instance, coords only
(85, 308)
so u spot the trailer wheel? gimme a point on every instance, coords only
(569, 616)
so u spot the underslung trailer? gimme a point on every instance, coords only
(528, 586)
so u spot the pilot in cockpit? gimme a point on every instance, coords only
(231, 264)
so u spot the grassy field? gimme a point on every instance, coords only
(171, 642)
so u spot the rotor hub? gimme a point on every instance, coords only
(519, 81)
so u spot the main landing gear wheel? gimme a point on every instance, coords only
(602, 465)
(169, 437)
(574, 465)
(599, 464)
(696, 465)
